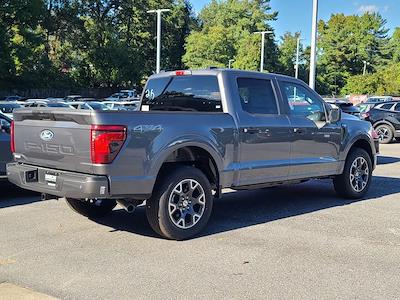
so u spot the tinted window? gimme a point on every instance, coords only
(386, 106)
(302, 102)
(397, 107)
(257, 96)
(183, 93)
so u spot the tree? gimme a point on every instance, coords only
(226, 32)
(384, 82)
(345, 42)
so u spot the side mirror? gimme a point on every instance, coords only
(335, 114)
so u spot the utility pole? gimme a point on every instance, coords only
(158, 12)
(313, 58)
(263, 33)
(297, 57)
(230, 63)
(365, 67)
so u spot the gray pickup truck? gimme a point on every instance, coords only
(196, 133)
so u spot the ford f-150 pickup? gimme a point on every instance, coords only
(196, 133)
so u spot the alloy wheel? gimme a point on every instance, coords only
(359, 174)
(186, 203)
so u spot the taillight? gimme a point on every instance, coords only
(12, 140)
(106, 142)
(374, 134)
(183, 72)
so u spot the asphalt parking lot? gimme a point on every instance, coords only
(297, 241)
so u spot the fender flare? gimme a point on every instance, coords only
(186, 141)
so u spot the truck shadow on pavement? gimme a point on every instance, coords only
(12, 195)
(247, 208)
(385, 160)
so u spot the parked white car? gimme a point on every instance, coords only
(93, 105)
(122, 105)
(124, 95)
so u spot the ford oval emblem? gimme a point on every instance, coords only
(46, 135)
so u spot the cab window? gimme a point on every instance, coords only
(302, 102)
(257, 96)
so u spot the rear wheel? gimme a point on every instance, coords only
(356, 178)
(95, 209)
(181, 204)
(385, 133)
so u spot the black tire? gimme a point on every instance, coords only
(385, 133)
(344, 184)
(158, 206)
(91, 210)
(397, 139)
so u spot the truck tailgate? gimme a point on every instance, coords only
(53, 137)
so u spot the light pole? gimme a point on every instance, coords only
(297, 57)
(313, 57)
(365, 67)
(263, 33)
(158, 12)
(230, 63)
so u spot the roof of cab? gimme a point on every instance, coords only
(216, 71)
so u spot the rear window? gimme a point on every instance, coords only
(183, 93)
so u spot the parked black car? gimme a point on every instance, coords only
(385, 118)
(345, 106)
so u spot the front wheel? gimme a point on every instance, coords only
(355, 180)
(181, 204)
(95, 209)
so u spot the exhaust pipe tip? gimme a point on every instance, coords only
(128, 206)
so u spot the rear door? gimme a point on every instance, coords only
(264, 132)
(396, 116)
(315, 143)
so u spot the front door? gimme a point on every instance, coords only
(315, 143)
(263, 133)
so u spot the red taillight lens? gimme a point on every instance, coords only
(183, 72)
(374, 134)
(106, 142)
(12, 141)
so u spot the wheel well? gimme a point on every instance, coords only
(383, 123)
(363, 144)
(197, 157)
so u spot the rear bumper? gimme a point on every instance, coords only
(66, 184)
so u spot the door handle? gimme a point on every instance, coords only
(298, 130)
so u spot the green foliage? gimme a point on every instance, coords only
(87, 43)
(345, 42)
(67, 44)
(226, 32)
(384, 82)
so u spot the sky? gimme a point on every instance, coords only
(295, 15)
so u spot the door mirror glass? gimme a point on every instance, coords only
(335, 114)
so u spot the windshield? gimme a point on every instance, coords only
(183, 93)
(8, 108)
